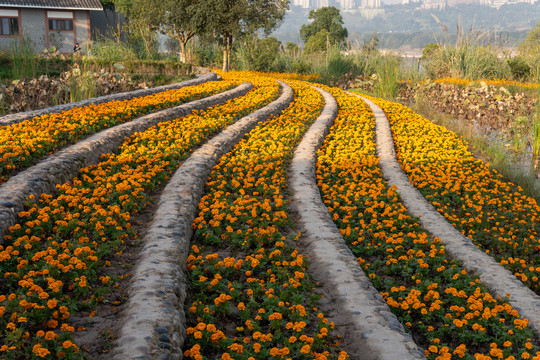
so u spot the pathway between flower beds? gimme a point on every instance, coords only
(223, 271)
(154, 319)
(64, 165)
(493, 275)
(376, 332)
(56, 261)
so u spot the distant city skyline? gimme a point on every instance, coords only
(422, 4)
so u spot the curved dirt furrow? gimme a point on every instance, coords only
(377, 332)
(154, 319)
(64, 165)
(29, 115)
(493, 275)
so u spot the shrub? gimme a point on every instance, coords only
(519, 67)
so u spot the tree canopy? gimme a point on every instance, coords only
(328, 19)
(233, 18)
(180, 19)
(183, 19)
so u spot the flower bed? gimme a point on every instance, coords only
(496, 215)
(24, 143)
(494, 82)
(448, 311)
(54, 262)
(245, 75)
(251, 297)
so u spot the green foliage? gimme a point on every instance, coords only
(301, 66)
(429, 50)
(24, 58)
(107, 4)
(292, 48)
(180, 19)
(234, 18)
(366, 62)
(531, 45)
(123, 6)
(259, 54)
(320, 42)
(110, 50)
(371, 45)
(519, 67)
(207, 55)
(328, 19)
(388, 76)
(467, 59)
(339, 64)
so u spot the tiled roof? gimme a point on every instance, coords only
(55, 4)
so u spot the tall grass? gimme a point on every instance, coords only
(536, 137)
(474, 55)
(388, 71)
(24, 58)
(536, 123)
(109, 49)
(82, 83)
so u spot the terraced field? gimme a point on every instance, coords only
(259, 216)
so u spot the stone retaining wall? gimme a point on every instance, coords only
(154, 318)
(65, 164)
(29, 115)
(375, 331)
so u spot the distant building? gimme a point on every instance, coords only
(301, 3)
(340, 4)
(498, 3)
(59, 23)
(434, 4)
(443, 4)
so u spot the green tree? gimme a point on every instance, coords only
(370, 46)
(234, 18)
(291, 48)
(107, 4)
(531, 45)
(320, 42)
(328, 19)
(261, 54)
(180, 19)
(429, 50)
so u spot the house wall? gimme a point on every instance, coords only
(82, 29)
(34, 27)
(6, 41)
(34, 24)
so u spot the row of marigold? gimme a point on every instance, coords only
(448, 311)
(23, 144)
(251, 296)
(497, 215)
(493, 82)
(55, 261)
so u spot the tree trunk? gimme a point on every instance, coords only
(183, 55)
(229, 50)
(182, 39)
(225, 52)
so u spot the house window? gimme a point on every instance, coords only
(61, 24)
(9, 26)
